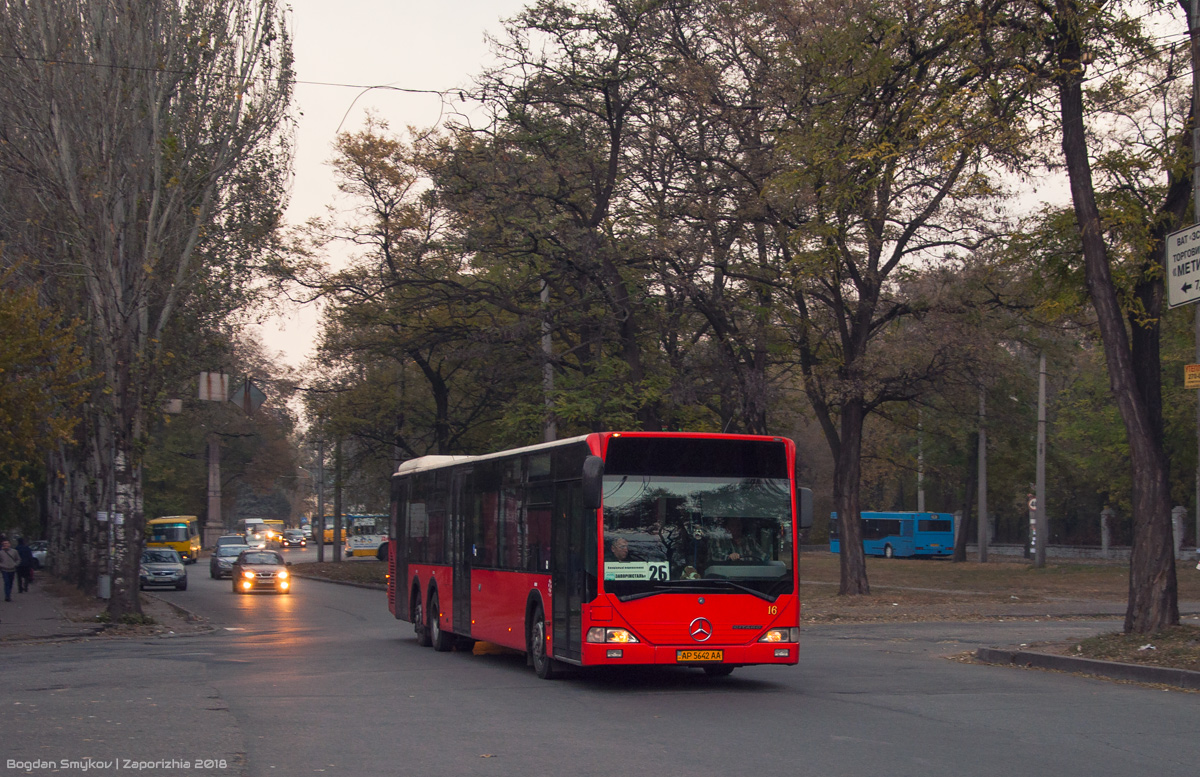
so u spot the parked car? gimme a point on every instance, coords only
(39, 548)
(231, 539)
(257, 569)
(162, 566)
(220, 563)
(293, 538)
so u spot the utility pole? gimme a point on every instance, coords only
(1043, 533)
(550, 424)
(319, 534)
(982, 478)
(1194, 33)
(337, 500)
(920, 461)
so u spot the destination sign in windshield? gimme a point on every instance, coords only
(635, 570)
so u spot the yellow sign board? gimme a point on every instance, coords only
(1191, 376)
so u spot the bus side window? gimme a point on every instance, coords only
(538, 539)
(485, 552)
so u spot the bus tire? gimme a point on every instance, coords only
(888, 552)
(381, 553)
(442, 641)
(419, 625)
(720, 670)
(543, 664)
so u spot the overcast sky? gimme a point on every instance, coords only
(401, 43)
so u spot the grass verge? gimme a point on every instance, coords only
(1177, 647)
(358, 570)
(910, 590)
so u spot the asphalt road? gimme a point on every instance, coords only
(324, 681)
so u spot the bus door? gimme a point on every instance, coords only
(574, 551)
(462, 506)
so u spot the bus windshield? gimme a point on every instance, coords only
(169, 532)
(664, 533)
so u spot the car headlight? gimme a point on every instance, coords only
(283, 575)
(781, 635)
(601, 634)
(248, 575)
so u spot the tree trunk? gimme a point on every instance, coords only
(847, 474)
(1153, 597)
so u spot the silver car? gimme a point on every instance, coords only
(162, 566)
(220, 564)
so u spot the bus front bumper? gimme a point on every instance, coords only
(640, 653)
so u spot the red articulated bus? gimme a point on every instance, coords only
(610, 549)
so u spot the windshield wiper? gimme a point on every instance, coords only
(746, 589)
(691, 586)
(662, 588)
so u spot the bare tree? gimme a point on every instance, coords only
(1122, 239)
(896, 119)
(136, 125)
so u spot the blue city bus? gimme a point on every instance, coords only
(901, 534)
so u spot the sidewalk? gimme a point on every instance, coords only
(40, 615)
(51, 611)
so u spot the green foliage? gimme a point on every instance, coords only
(40, 385)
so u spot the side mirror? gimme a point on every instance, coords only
(804, 506)
(593, 481)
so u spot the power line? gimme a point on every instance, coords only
(172, 71)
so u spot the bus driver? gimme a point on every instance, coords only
(739, 546)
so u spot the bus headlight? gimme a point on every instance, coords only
(781, 635)
(599, 634)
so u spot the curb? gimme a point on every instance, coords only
(351, 583)
(1157, 675)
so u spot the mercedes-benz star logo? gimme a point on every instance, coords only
(700, 629)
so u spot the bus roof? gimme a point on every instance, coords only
(172, 518)
(422, 463)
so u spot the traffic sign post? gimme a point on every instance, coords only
(1183, 266)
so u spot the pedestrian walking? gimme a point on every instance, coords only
(10, 559)
(25, 568)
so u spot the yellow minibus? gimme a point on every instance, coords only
(178, 532)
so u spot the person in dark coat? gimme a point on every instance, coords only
(25, 568)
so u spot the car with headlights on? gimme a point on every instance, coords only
(220, 563)
(256, 570)
(293, 538)
(162, 567)
(256, 538)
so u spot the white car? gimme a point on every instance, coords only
(39, 548)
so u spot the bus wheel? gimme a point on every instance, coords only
(888, 552)
(442, 641)
(721, 670)
(543, 664)
(418, 612)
